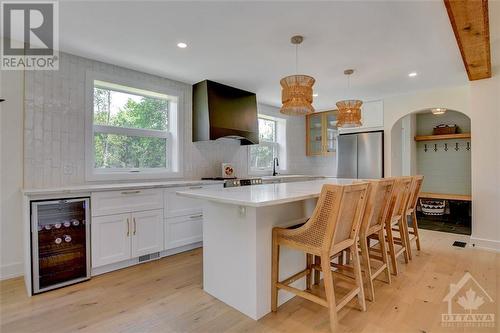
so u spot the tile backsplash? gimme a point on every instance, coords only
(54, 129)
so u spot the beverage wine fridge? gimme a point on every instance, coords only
(60, 243)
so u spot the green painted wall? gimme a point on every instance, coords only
(445, 171)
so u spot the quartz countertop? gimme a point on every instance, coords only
(265, 194)
(118, 186)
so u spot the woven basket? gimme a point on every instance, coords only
(440, 130)
(433, 207)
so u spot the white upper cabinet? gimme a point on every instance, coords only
(372, 118)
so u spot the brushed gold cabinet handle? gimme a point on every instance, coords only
(135, 226)
(128, 227)
(131, 192)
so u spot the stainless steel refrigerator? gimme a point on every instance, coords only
(360, 155)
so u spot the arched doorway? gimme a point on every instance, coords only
(439, 147)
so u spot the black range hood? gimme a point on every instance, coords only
(221, 111)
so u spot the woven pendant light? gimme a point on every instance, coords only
(350, 109)
(297, 92)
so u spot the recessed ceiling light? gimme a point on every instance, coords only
(412, 74)
(438, 111)
(182, 45)
(315, 95)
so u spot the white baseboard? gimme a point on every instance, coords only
(134, 261)
(486, 244)
(10, 271)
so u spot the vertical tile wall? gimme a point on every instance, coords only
(54, 129)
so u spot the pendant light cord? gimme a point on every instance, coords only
(296, 58)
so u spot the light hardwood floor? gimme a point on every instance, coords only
(167, 296)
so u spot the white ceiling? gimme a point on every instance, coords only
(246, 44)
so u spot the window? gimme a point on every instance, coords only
(261, 156)
(132, 133)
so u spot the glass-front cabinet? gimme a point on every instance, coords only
(321, 133)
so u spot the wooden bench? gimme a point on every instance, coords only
(443, 196)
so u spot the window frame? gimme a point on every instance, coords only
(275, 146)
(173, 135)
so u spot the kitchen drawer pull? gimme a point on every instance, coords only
(196, 216)
(195, 187)
(128, 227)
(131, 192)
(135, 226)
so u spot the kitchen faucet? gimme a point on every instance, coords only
(275, 164)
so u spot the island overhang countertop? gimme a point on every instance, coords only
(265, 194)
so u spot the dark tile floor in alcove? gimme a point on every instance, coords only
(446, 223)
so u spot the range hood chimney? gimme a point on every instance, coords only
(221, 111)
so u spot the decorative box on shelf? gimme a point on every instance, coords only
(445, 129)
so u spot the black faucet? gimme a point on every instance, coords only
(275, 164)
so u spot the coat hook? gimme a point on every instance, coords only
(468, 145)
(456, 146)
(435, 147)
(445, 147)
(425, 148)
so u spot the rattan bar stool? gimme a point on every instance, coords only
(373, 224)
(394, 225)
(411, 210)
(332, 228)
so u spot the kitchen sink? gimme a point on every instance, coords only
(288, 178)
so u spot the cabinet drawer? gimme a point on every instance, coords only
(183, 230)
(126, 201)
(176, 205)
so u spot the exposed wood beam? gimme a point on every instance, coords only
(469, 19)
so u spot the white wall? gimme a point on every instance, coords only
(396, 143)
(11, 173)
(480, 101)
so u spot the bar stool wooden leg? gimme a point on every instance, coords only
(358, 276)
(406, 231)
(365, 259)
(309, 261)
(392, 250)
(330, 291)
(402, 235)
(385, 257)
(275, 274)
(414, 223)
(317, 262)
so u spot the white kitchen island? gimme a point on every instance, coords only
(237, 237)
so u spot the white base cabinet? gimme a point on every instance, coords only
(183, 230)
(123, 236)
(129, 224)
(110, 239)
(147, 234)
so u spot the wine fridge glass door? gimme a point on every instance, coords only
(60, 242)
